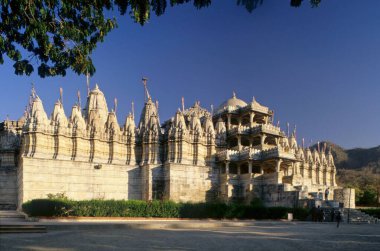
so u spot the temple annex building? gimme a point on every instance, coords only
(232, 153)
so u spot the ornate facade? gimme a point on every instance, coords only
(234, 153)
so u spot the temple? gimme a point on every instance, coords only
(234, 153)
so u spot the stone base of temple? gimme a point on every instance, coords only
(77, 180)
(188, 183)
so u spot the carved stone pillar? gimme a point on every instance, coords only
(278, 165)
(262, 140)
(227, 167)
(251, 116)
(228, 121)
(239, 142)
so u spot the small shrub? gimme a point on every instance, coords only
(58, 196)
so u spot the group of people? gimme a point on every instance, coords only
(319, 215)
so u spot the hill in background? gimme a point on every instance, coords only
(358, 168)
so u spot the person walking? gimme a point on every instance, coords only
(338, 218)
(327, 192)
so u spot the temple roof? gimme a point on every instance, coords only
(233, 102)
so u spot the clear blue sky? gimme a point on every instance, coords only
(317, 68)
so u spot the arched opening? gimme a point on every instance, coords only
(244, 141)
(270, 140)
(244, 168)
(256, 141)
(233, 168)
(233, 143)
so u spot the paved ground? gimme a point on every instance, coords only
(253, 236)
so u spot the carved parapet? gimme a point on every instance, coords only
(228, 155)
(277, 152)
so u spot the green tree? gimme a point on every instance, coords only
(56, 35)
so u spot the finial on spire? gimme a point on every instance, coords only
(318, 147)
(183, 104)
(303, 143)
(233, 94)
(115, 104)
(272, 117)
(146, 92)
(61, 95)
(78, 96)
(88, 83)
(253, 99)
(212, 110)
(287, 125)
(295, 131)
(33, 92)
(133, 110)
(278, 123)
(157, 105)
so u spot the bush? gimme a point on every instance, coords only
(300, 213)
(162, 209)
(367, 198)
(47, 207)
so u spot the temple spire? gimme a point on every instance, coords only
(115, 105)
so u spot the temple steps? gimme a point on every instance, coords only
(12, 221)
(8, 229)
(357, 216)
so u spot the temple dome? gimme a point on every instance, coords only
(233, 102)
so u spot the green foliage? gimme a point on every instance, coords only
(203, 210)
(368, 198)
(58, 196)
(162, 209)
(47, 207)
(56, 35)
(300, 213)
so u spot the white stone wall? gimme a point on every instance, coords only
(190, 183)
(345, 196)
(8, 187)
(78, 180)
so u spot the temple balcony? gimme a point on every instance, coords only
(256, 130)
(277, 152)
(228, 155)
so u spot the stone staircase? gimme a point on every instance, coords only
(357, 216)
(12, 221)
